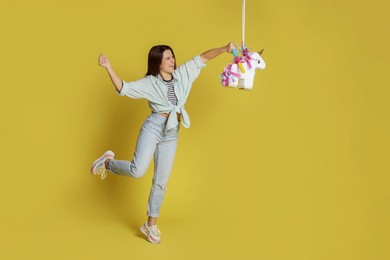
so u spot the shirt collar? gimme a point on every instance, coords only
(159, 78)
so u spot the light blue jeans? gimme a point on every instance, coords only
(152, 140)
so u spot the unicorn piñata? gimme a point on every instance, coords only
(241, 72)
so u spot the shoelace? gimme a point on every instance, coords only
(155, 230)
(102, 173)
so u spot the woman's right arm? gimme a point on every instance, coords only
(104, 62)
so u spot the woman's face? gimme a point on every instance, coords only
(167, 63)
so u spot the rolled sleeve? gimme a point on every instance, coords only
(122, 92)
(134, 89)
(198, 61)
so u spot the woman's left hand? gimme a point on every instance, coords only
(230, 47)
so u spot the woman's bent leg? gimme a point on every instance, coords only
(145, 148)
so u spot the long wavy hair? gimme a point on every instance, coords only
(155, 57)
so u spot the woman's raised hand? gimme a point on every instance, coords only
(103, 61)
(230, 47)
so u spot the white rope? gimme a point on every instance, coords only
(243, 23)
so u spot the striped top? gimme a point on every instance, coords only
(171, 92)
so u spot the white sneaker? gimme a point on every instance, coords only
(152, 233)
(99, 167)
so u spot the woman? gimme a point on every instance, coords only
(166, 88)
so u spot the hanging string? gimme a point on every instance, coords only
(243, 24)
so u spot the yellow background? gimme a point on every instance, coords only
(295, 169)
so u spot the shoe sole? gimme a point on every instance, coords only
(150, 239)
(108, 154)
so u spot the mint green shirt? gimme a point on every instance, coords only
(155, 91)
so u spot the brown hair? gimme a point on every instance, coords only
(155, 57)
